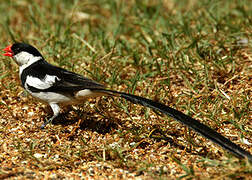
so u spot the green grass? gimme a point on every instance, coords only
(186, 54)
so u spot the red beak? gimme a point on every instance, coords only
(8, 51)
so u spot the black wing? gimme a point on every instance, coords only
(66, 81)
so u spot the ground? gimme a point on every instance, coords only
(194, 56)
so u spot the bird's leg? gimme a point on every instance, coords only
(56, 110)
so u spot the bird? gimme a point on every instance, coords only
(57, 86)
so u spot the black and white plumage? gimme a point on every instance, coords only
(57, 86)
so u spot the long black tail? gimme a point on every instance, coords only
(187, 120)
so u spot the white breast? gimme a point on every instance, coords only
(52, 97)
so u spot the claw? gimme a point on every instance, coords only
(56, 110)
(47, 122)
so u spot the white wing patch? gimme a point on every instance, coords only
(44, 83)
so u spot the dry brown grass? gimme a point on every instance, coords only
(108, 137)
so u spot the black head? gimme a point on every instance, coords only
(22, 47)
(23, 54)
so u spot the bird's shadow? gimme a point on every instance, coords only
(86, 120)
(105, 124)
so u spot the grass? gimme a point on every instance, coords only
(192, 55)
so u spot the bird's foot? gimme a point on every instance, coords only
(47, 122)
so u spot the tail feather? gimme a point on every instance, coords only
(186, 120)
